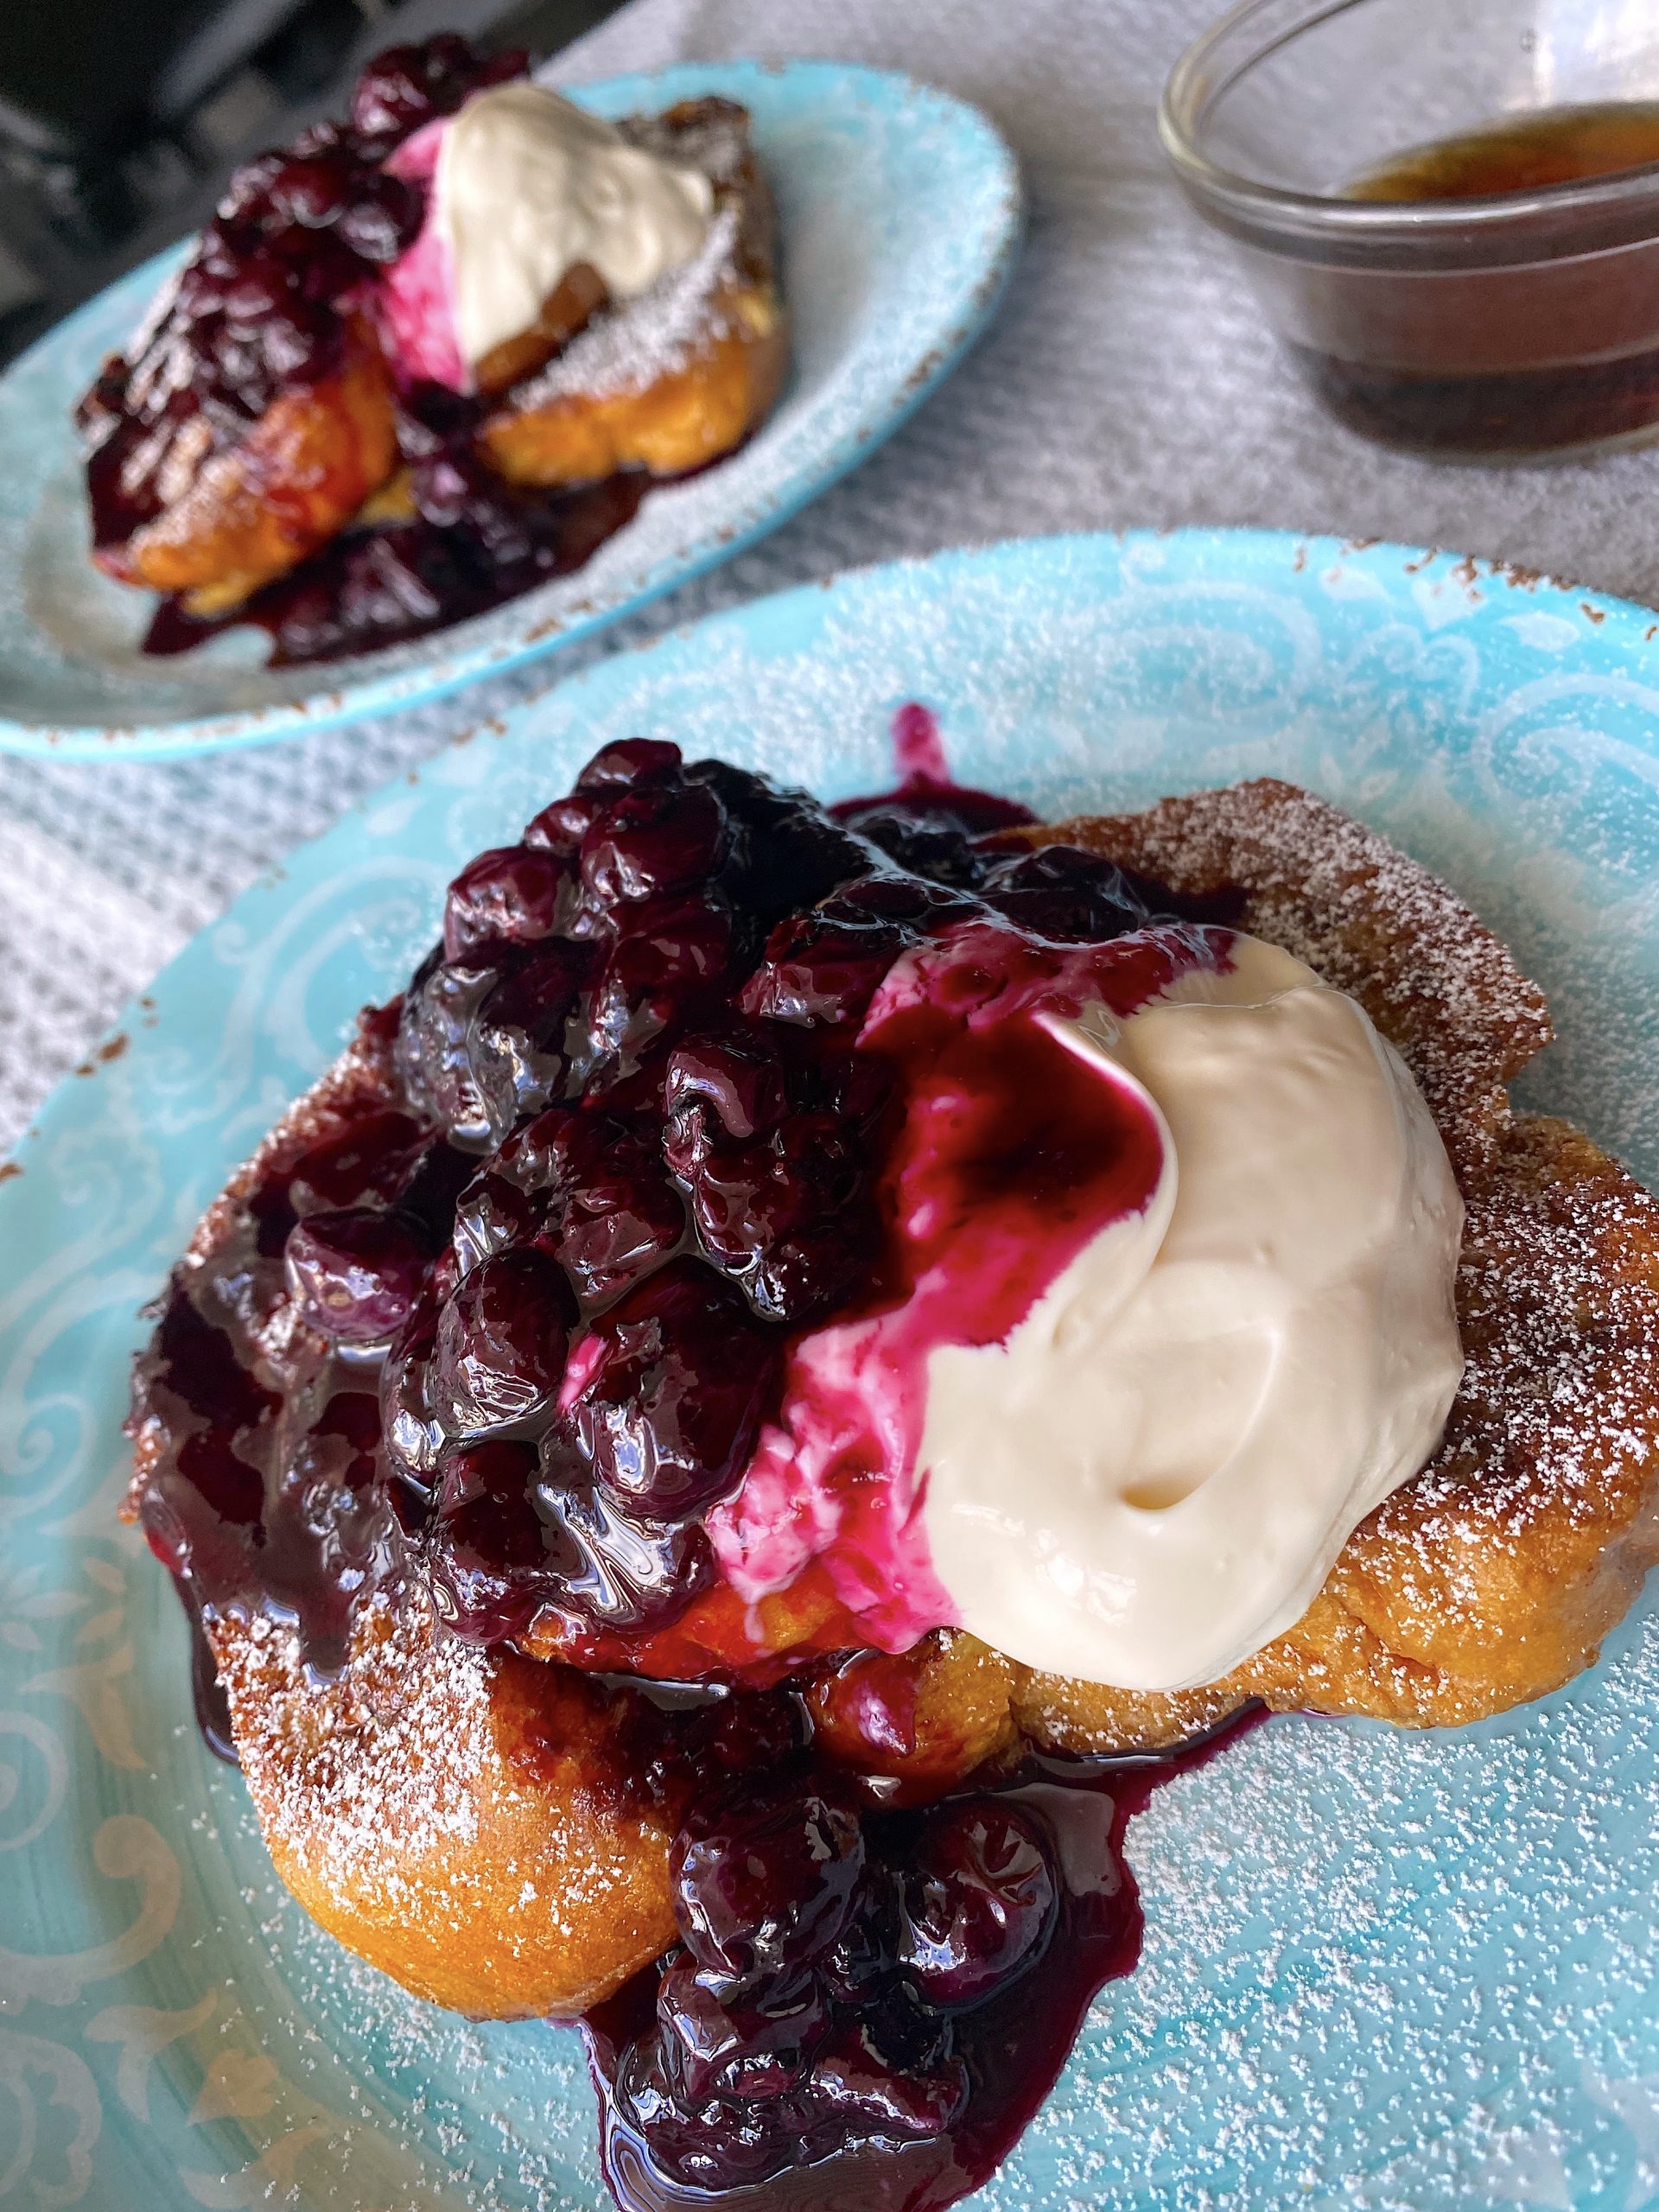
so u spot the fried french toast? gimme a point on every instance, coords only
(675, 383)
(495, 1829)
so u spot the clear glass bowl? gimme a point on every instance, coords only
(1519, 327)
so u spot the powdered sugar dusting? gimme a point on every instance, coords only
(1440, 985)
(394, 1744)
(628, 346)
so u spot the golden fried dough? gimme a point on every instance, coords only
(682, 419)
(467, 1821)
(701, 398)
(254, 510)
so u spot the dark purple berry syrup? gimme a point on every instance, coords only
(870, 2008)
(617, 1147)
(370, 588)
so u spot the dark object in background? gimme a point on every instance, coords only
(119, 119)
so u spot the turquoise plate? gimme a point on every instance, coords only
(1381, 1970)
(900, 210)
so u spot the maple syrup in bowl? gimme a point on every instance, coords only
(1451, 214)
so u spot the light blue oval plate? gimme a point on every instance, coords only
(1381, 1970)
(901, 211)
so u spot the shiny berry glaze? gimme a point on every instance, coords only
(869, 2007)
(382, 587)
(925, 793)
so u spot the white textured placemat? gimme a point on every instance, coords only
(1129, 380)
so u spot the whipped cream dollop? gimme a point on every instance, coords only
(1152, 1475)
(1225, 1367)
(522, 186)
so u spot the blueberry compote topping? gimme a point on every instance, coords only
(272, 299)
(505, 1318)
(620, 1146)
(458, 555)
(868, 2003)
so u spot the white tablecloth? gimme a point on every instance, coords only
(1129, 380)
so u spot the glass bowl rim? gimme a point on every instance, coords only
(1188, 95)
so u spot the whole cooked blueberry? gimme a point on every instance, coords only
(357, 1272)
(559, 829)
(673, 952)
(501, 1339)
(510, 895)
(738, 1076)
(789, 854)
(620, 1221)
(978, 1902)
(747, 1197)
(861, 2093)
(651, 839)
(552, 1151)
(764, 1884)
(1061, 892)
(486, 1548)
(492, 1213)
(672, 943)
(369, 1158)
(383, 218)
(613, 1571)
(630, 761)
(262, 285)
(244, 195)
(299, 343)
(311, 189)
(674, 1392)
(747, 2051)
(711, 2149)
(407, 85)
(927, 842)
(824, 968)
(433, 1060)
(517, 1047)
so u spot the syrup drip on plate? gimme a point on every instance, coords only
(895, 2028)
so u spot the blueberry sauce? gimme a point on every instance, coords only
(370, 588)
(621, 1150)
(506, 1320)
(927, 808)
(869, 2006)
(266, 303)
(277, 302)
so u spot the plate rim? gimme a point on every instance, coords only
(335, 705)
